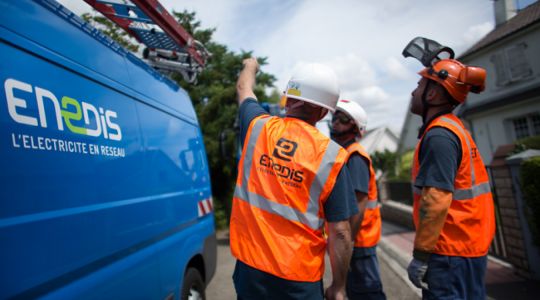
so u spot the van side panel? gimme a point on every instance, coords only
(176, 161)
(67, 35)
(102, 180)
(149, 86)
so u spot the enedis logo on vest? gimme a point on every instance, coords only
(284, 151)
(78, 116)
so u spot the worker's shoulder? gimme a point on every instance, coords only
(441, 140)
(248, 104)
(439, 132)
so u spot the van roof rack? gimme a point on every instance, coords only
(170, 48)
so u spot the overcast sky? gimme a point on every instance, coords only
(361, 40)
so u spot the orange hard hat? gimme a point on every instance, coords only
(457, 78)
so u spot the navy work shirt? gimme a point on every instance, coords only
(358, 170)
(439, 159)
(250, 282)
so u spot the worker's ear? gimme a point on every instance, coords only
(435, 92)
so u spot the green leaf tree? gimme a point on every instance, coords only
(405, 161)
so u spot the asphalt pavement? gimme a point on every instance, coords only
(394, 253)
(221, 287)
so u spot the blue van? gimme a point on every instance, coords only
(105, 189)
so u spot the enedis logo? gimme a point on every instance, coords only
(97, 122)
(284, 150)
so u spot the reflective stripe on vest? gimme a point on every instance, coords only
(464, 194)
(311, 217)
(372, 204)
(476, 189)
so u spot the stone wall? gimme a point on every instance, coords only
(509, 224)
(397, 213)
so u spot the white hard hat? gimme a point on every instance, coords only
(314, 83)
(355, 112)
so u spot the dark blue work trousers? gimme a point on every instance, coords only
(455, 277)
(363, 279)
(253, 284)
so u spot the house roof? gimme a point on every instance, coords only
(524, 18)
(379, 131)
(502, 99)
(373, 137)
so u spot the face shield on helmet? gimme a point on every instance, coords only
(427, 51)
(441, 67)
(316, 84)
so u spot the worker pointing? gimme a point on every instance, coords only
(453, 206)
(348, 126)
(291, 179)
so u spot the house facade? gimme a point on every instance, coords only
(509, 108)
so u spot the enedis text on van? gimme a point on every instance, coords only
(98, 122)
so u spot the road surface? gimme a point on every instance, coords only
(221, 287)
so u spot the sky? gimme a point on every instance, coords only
(361, 40)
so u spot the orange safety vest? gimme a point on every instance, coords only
(470, 224)
(370, 230)
(287, 171)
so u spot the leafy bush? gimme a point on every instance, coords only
(532, 142)
(530, 183)
(405, 166)
(385, 162)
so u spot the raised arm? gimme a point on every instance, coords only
(246, 80)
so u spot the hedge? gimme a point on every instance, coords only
(532, 142)
(530, 181)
